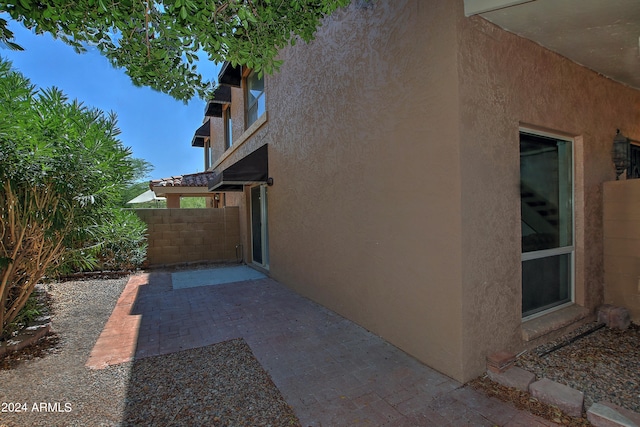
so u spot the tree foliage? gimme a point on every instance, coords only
(159, 42)
(62, 168)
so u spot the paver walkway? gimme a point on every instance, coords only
(330, 370)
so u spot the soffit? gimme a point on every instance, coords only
(601, 35)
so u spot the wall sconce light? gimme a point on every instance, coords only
(216, 196)
(620, 153)
(269, 181)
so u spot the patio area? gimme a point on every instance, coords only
(328, 369)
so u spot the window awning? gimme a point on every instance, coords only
(201, 135)
(230, 75)
(252, 169)
(221, 97)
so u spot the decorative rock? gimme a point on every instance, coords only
(569, 401)
(514, 377)
(614, 317)
(28, 336)
(603, 313)
(619, 318)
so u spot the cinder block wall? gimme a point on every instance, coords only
(621, 205)
(191, 235)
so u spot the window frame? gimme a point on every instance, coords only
(208, 153)
(561, 250)
(633, 171)
(250, 105)
(228, 127)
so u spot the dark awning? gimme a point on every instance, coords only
(221, 97)
(254, 168)
(230, 75)
(213, 109)
(201, 134)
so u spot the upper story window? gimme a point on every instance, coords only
(228, 127)
(208, 154)
(255, 97)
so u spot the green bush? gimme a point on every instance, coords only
(62, 170)
(31, 310)
(124, 242)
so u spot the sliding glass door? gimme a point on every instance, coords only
(259, 230)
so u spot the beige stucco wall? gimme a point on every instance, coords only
(393, 145)
(178, 236)
(507, 82)
(364, 215)
(622, 245)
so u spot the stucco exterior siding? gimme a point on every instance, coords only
(364, 214)
(507, 82)
(622, 245)
(393, 143)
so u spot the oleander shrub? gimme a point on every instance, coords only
(124, 240)
(62, 168)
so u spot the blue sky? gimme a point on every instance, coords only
(156, 127)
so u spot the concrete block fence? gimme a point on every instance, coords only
(178, 236)
(621, 220)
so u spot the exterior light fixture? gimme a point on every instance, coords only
(620, 153)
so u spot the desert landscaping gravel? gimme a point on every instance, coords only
(218, 385)
(604, 364)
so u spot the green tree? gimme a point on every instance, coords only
(193, 202)
(140, 170)
(62, 168)
(158, 43)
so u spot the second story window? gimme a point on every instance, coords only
(228, 127)
(208, 155)
(255, 97)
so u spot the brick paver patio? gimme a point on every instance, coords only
(330, 370)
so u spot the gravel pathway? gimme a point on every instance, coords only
(605, 364)
(221, 384)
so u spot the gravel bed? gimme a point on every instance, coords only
(604, 364)
(221, 384)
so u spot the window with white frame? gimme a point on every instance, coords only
(208, 154)
(228, 127)
(255, 97)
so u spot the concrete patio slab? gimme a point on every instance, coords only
(330, 370)
(214, 276)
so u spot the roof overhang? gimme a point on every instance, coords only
(182, 191)
(230, 75)
(600, 35)
(194, 184)
(252, 169)
(201, 134)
